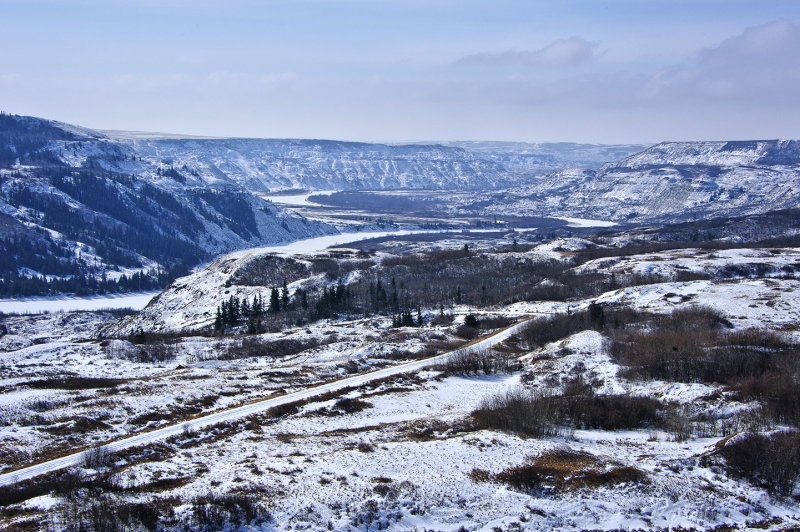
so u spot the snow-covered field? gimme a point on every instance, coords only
(403, 453)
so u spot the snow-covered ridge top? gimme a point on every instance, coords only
(712, 153)
(119, 134)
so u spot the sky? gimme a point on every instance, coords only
(597, 71)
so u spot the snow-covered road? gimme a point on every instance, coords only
(240, 412)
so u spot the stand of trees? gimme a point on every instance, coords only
(14, 285)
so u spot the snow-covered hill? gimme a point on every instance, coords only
(280, 164)
(73, 208)
(673, 181)
(539, 159)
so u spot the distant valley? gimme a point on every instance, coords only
(84, 211)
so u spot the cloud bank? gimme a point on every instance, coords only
(561, 53)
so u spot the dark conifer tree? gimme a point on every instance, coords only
(274, 301)
(284, 296)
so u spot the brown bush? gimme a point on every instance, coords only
(287, 409)
(538, 415)
(349, 405)
(466, 332)
(771, 461)
(693, 346)
(545, 330)
(494, 322)
(519, 411)
(366, 447)
(475, 362)
(778, 390)
(252, 347)
(563, 470)
(215, 512)
(74, 383)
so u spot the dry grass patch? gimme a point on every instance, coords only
(562, 470)
(434, 429)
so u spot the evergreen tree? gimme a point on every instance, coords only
(254, 324)
(274, 301)
(258, 306)
(219, 322)
(284, 296)
(301, 297)
(394, 300)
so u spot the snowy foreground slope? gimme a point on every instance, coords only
(414, 451)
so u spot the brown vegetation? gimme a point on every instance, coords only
(562, 470)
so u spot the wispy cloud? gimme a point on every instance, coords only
(561, 53)
(761, 63)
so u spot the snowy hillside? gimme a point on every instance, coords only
(276, 164)
(604, 388)
(72, 220)
(539, 159)
(673, 181)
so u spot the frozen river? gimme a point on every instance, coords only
(37, 305)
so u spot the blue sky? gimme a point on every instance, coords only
(390, 70)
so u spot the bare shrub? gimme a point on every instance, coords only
(432, 429)
(45, 404)
(217, 512)
(58, 484)
(93, 509)
(253, 347)
(494, 322)
(74, 383)
(149, 353)
(467, 332)
(563, 470)
(610, 412)
(542, 414)
(545, 330)
(96, 458)
(777, 389)
(287, 409)
(694, 318)
(692, 345)
(442, 319)
(519, 411)
(771, 461)
(475, 362)
(366, 447)
(349, 405)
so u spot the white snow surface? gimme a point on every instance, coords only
(232, 414)
(401, 462)
(585, 222)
